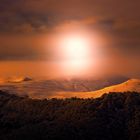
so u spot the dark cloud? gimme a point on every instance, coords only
(118, 18)
(20, 53)
(40, 13)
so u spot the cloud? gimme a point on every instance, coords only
(48, 13)
(119, 19)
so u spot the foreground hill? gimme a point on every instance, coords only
(110, 117)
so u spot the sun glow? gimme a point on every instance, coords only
(75, 48)
(75, 53)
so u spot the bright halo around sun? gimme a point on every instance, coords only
(75, 52)
(75, 48)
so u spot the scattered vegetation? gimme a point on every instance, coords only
(114, 116)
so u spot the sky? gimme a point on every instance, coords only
(28, 28)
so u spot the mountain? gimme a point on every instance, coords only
(14, 79)
(132, 85)
(51, 88)
(18, 79)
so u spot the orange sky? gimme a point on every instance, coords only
(29, 29)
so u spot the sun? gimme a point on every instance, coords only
(75, 52)
(75, 48)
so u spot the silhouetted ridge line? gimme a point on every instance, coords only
(113, 116)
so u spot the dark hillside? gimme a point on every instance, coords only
(111, 117)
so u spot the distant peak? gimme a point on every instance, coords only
(134, 80)
(18, 79)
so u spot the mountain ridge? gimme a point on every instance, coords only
(42, 88)
(131, 85)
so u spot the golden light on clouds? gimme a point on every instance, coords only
(76, 49)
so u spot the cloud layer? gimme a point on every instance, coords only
(24, 22)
